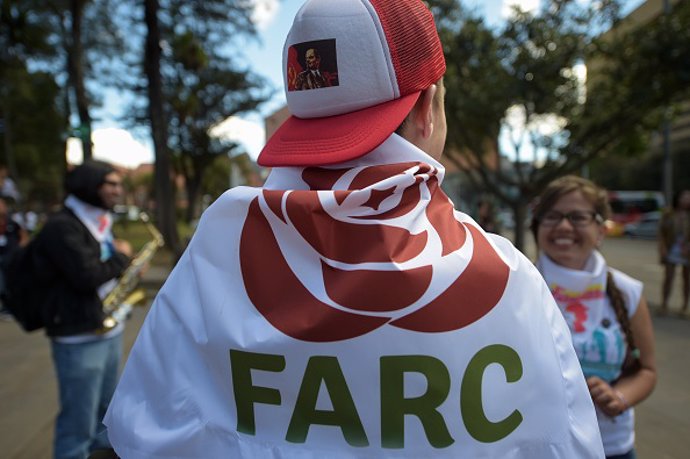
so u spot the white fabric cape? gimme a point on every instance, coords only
(370, 322)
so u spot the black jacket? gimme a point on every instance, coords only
(70, 270)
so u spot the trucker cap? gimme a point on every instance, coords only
(353, 70)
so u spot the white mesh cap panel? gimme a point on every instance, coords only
(365, 70)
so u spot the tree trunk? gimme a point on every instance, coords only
(7, 138)
(193, 185)
(67, 124)
(76, 68)
(520, 214)
(165, 202)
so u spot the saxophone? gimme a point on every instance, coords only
(119, 302)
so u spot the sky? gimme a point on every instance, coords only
(273, 18)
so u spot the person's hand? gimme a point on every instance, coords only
(144, 268)
(123, 247)
(610, 401)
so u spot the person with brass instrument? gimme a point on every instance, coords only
(82, 261)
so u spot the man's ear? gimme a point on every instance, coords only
(423, 119)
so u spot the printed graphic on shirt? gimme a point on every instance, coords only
(604, 355)
(597, 338)
(312, 65)
(572, 303)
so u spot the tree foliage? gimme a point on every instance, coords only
(88, 42)
(200, 84)
(36, 125)
(29, 102)
(50, 51)
(165, 208)
(205, 88)
(518, 114)
(179, 58)
(656, 58)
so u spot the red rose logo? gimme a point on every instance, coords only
(366, 247)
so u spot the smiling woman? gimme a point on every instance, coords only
(112, 145)
(605, 309)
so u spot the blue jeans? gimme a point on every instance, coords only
(629, 455)
(87, 375)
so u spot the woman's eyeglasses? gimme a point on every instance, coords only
(577, 218)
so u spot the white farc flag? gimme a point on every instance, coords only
(350, 312)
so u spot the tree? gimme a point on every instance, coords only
(526, 71)
(39, 159)
(28, 101)
(165, 202)
(204, 89)
(75, 69)
(217, 179)
(198, 85)
(190, 82)
(652, 64)
(89, 41)
(223, 174)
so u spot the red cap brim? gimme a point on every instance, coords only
(334, 139)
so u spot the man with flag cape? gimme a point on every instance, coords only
(345, 309)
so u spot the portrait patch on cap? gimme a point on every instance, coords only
(312, 65)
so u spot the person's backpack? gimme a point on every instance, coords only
(24, 299)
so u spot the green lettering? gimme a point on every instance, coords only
(394, 405)
(471, 407)
(246, 394)
(344, 415)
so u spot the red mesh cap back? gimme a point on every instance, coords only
(413, 42)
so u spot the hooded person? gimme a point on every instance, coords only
(84, 182)
(345, 309)
(79, 262)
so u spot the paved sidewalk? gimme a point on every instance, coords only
(28, 388)
(28, 404)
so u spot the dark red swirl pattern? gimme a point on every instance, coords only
(381, 234)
